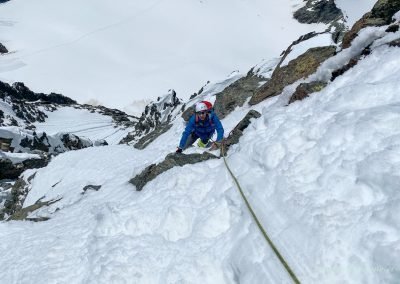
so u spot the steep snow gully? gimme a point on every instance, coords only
(322, 175)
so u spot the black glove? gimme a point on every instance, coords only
(179, 150)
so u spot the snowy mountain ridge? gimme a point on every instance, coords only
(320, 166)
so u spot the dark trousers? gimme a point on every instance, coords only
(191, 139)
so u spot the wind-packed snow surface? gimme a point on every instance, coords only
(323, 176)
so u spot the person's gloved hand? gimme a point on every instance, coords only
(214, 146)
(179, 150)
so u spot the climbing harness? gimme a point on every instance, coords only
(264, 233)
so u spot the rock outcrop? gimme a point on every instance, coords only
(20, 92)
(237, 132)
(3, 49)
(171, 160)
(16, 197)
(174, 159)
(119, 117)
(316, 11)
(153, 135)
(23, 213)
(27, 105)
(305, 89)
(28, 141)
(10, 170)
(381, 14)
(236, 94)
(301, 67)
(154, 121)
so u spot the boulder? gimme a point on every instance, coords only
(305, 89)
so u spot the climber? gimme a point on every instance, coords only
(202, 125)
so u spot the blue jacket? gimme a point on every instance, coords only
(204, 129)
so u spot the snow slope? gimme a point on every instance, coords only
(83, 123)
(322, 175)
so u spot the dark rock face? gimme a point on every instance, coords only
(118, 116)
(150, 137)
(171, 160)
(10, 171)
(19, 91)
(13, 171)
(3, 49)
(27, 141)
(26, 104)
(91, 187)
(316, 11)
(345, 68)
(237, 132)
(301, 67)
(381, 14)
(188, 113)
(305, 89)
(17, 197)
(392, 29)
(385, 9)
(155, 118)
(18, 193)
(73, 142)
(13, 204)
(236, 94)
(22, 213)
(395, 43)
(40, 142)
(352, 62)
(28, 112)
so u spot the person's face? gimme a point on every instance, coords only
(202, 114)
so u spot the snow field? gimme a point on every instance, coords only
(83, 123)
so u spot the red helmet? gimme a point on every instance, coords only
(208, 104)
(201, 106)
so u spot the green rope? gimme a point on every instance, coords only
(280, 257)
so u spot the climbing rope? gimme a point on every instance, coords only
(264, 233)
